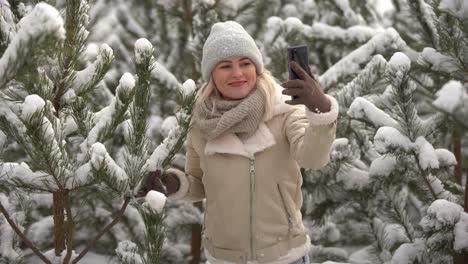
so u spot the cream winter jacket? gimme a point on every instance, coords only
(253, 187)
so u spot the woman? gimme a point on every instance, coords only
(245, 150)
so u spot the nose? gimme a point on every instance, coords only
(236, 71)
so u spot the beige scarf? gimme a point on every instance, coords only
(216, 116)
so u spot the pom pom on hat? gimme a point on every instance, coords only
(228, 39)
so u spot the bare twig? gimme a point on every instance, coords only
(117, 218)
(22, 236)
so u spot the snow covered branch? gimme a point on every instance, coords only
(127, 252)
(21, 175)
(176, 136)
(111, 116)
(427, 18)
(437, 61)
(101, 160)
(85, 80)
(363, 82)
(43, 25)
(351, 64)
(452, 99)
(35, 133)
(319, 31)
(348, 12)
(139, 110)
(445, 227)
(136, 140)
(45, 149)
(364, 110)
(7, 25)
(457, 8)
(165, 77)
(354, 34)
(9, 121)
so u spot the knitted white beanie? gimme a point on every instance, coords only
(228, 39)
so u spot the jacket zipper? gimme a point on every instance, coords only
(252, 190)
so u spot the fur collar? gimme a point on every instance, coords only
(231, 144)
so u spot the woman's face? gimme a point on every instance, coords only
(235, 77)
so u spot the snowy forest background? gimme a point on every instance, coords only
(94, 95)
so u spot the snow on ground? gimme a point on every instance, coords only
(89, 258)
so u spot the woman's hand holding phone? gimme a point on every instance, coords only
(305, 90)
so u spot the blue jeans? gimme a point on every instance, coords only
(304, 260)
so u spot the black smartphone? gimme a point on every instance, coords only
(299, 54)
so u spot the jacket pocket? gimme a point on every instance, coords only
(288, 207)
(287, 191)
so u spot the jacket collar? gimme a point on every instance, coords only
(259, 141)
(231, 144)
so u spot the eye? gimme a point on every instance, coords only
(246, 63)
(225, 66)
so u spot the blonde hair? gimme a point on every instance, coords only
(265, 83)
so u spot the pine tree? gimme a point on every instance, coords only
(386, 179)
(80, 153)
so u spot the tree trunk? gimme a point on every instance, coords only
(465, 257)
(458, 157)
(460, 258)
(195, 250)
(466, 194)
(60, 229)
(457, 145)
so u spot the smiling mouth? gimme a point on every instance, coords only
(237, 84)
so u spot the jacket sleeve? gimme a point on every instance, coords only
(311, 135)
(191, 187)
